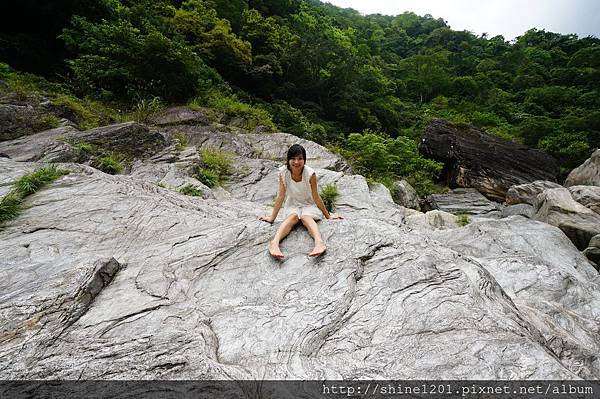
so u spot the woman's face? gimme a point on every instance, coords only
(297, 162)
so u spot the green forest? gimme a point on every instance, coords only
(364, 86)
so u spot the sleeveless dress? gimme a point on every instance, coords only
(299, 194)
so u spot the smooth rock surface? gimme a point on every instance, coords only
(587, 174)
(518, 209)
(556, 207)
(588, 196)
(432, 220)
(464, 200)
(128, 138)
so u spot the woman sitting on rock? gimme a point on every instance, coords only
(303, 203)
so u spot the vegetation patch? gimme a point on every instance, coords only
(329, 195)
(146, 109)
(191, 191)
(47, 122)
(182, 141)
(462, 219)
(230, 105)
(110, 162)
(10, 205)
(215, 167)
(381, 158)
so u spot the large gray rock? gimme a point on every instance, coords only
(111, 277)
(464, 200)
(272, 146)
(588, 196)
(22, 114)
(527, 193)
(556, 207)
(44, 146)
(587, 174)
(130, 139)
(17, 120)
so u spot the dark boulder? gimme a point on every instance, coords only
(490, 164)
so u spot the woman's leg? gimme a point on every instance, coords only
(282, 232)
(314, 232)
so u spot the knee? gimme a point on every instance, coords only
(293, 218)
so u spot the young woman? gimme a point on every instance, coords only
(304, 204)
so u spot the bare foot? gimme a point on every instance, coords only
(274, 250)
(319, 249)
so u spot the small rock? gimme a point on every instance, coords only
(405, 195)
(528, 192)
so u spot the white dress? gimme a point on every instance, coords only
(299, 198)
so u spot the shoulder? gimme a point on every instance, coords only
(282, 170)
(309, 171)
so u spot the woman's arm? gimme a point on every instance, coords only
(278, 203)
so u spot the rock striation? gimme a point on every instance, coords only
(490, 164)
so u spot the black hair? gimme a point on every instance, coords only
(294, 151)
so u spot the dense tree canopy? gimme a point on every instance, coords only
(321, 71)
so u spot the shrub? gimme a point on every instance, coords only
(385, 159)
(110, 162)
(329, 195)
(217, 161)
(208, 177)
(191, 190)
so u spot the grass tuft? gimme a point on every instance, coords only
(182, 141)
(10, 205)
(31, 183)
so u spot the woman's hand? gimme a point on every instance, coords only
(335, 216)
(267, 219)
